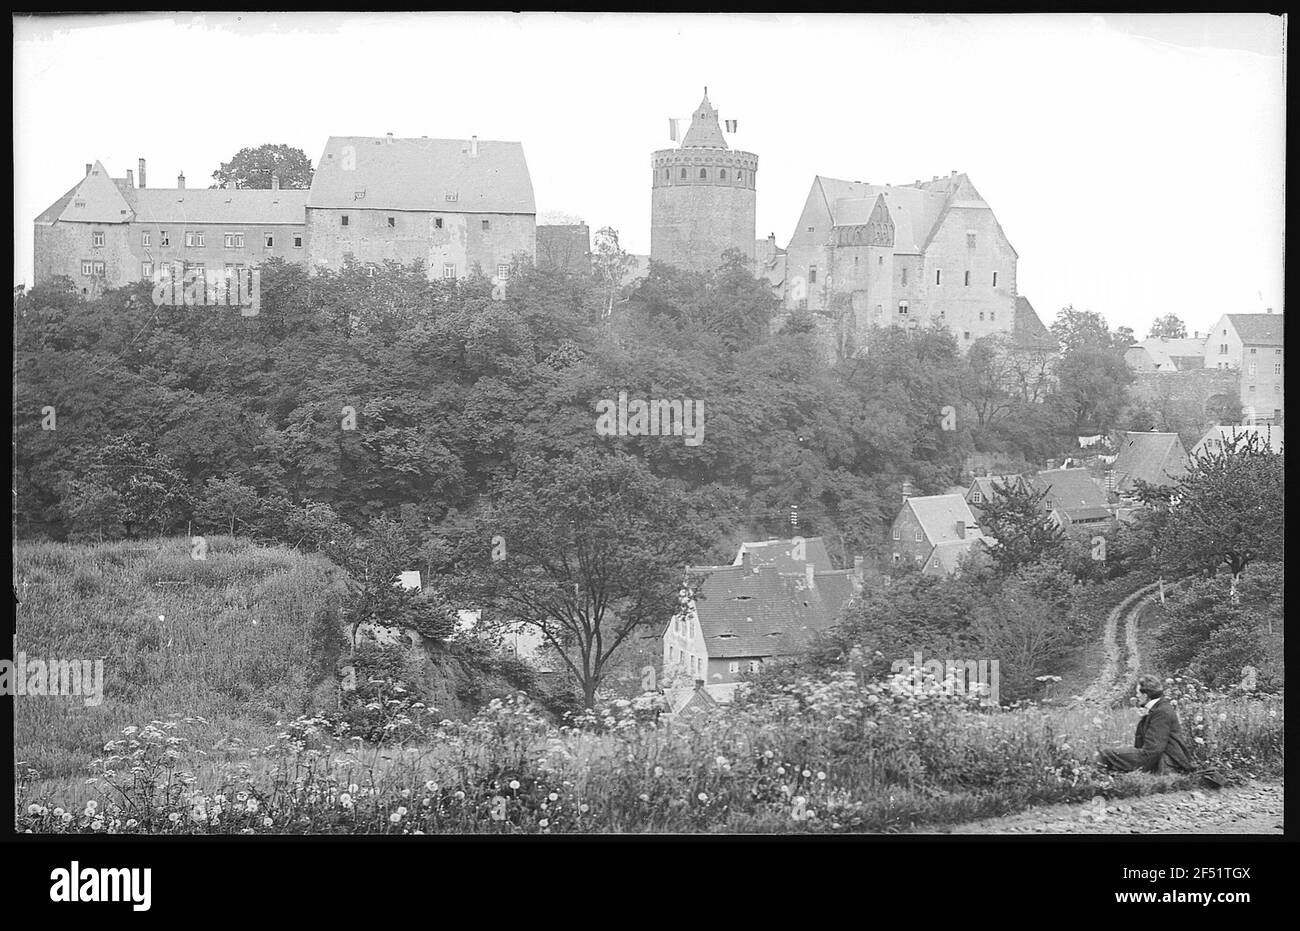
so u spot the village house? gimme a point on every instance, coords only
(1251, 345)
(927, 521)
(766, 605)
(983, 488)
(1154, 458)
(1074, 499)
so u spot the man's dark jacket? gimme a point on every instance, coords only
(1160, 738)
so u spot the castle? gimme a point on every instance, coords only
(458, 206)
(702, 197)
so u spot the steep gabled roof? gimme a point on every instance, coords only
(1027, 329)
(705, 131)
(780, 553)
(1258, 329)
(245, 206)
(1270, 435)
(938, 516)
(1069, 489)
(946, 557)
(369, 172)
(95, 199)
(986, 485)
(1155, 458)
(755, 612)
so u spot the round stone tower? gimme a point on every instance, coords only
(702, 197)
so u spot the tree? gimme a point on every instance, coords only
(1228, 509)
(128, 483)
(227, 502)
(1168, 327)
(610, 263)
(589, 551)
(1079, 329)
(253, 168)
(1017, 519)
(1092, 388)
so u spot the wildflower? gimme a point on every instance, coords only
(67, 817)
(543, 823)
(584, 807)
(267, 822)
(173, 817)
(459, 794)
(431, 786)
(821, 775)
(644, 798)
(91, 806)
(553, 796)
(395, 818)
(35, 810)
(807, 774)
(345, 800)
(768, 754)
(514, 783)
(1200, 740)
(780, 770)
(97, 824)
(58, 812)
(353, 788)
(659, 770)
(703, 796)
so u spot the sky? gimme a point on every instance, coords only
(1136, 162)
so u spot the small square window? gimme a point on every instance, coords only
(96, 239)
(898, 534)
(995, 279)
(905, 274)
(392, 223)
(487, 224)
(1251, 389)
(981, 315)
(970, 240)
(897, 558)
(370, 270)
(967, 284)
(902, 307)
(812, 274)
(297, 240)
(97, 269)
(938, 276)
(146, 269)
(1252, 351)
(503, 272)
(916, 536)
(343, 220)
(87, 268)
(733, 666)
(993, 315)
(234, 240)
(270, 241)
(163, 238)
(1277, 368)
(966, 334)
(146, 239)
(437, 223)
(449, 270)
(976, 497)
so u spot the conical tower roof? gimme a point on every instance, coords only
(704, 130)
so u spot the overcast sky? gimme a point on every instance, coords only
(1135, 162)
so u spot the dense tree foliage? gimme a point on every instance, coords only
(253, 167)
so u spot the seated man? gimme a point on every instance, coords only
(1159, 744)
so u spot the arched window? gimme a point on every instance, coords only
(740, 175)
(704, 174)
(683, 174)
(667, 174)
(722, 174)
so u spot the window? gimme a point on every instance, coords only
(193, 240)
(97, 269)
(902, 307)
(1277, 388)
(503, 272)
(270, 241)
(880, 260)
(672, 653)
(1251, 369)
(916, 536)
(668, 175)
(1277, 352)
(704, 174)
(343, 220)
(970, 240)
(981, 315)
(449, 270)
(733, 666)
(722, 174)
(1251, 389)
(855, 261)
(812, 274)
(145, 239)
(897, 558)
(683, 174)
(437, 223)
(163, 238)
(234, 240)
(297, 240)
(919, 559)
(740, 174)
(86, 267)
(487, 224)
(146, 269)
(967, 279)
(392, 223)
(1252, 352)
(995, 279)
(812, 229)
(904, 274)
(966, 334)
(370, 270)
(1223, 349)
(976, 497)
(993, 315)
(938, 276)
(755, 665)
(898, 534)
(1277, 368)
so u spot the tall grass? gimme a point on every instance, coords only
(243, 638)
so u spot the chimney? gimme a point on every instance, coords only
(141, 173)
(699, 685)
(275, 181)
(960, 527)
(180, 181)
(473, 146)
(88, 167)
(747, 561)
(907, 489)
(954, 172)
(934, 178)
(1269, 311)
(389, 138)
(130, 178)
(810, 574)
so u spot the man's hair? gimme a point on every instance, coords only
(1151, 686)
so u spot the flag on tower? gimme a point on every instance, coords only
(672, 130)
(731, 125)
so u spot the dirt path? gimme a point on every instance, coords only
(1105, 686)
(1253, 808)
